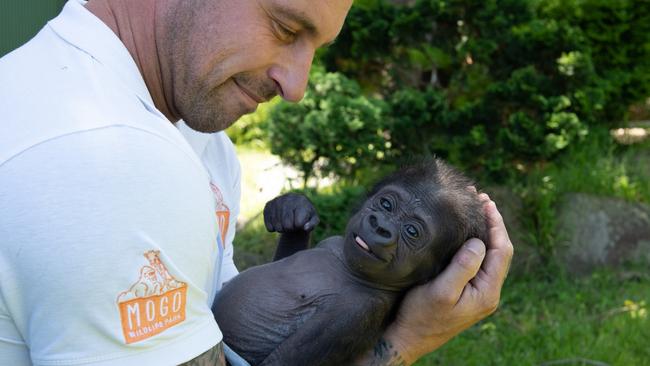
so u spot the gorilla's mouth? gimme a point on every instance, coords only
(366, 248)
(360, 242)
(363, 245)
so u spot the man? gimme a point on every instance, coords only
(109, 248)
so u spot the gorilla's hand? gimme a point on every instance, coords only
(289, 213)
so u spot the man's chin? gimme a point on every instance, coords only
(210, 126)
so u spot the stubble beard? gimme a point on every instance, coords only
(207, 112)
(216, 109)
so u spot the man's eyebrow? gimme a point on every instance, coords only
(298, 17)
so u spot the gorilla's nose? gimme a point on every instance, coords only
(382, 228)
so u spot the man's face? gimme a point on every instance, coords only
(224, 57)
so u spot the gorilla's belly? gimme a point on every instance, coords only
(258, 331)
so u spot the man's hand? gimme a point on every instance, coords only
(467, 291)
(290, 212)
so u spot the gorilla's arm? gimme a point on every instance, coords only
(294, 216)
(290, 243)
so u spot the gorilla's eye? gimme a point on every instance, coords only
(385, 204)
(412, 231)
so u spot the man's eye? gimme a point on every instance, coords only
(284, 34)
(385, 204)
(412, 231)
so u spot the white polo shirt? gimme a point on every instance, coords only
(109, 247)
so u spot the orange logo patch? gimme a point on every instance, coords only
(223, 213)
(154, 303)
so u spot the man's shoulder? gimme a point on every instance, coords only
(55, 81)
(53, 90)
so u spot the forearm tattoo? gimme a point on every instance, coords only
(384, 354)
(212, 357)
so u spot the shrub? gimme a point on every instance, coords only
(618, 38)
(497, 86)
(249, 129)
(334, 130)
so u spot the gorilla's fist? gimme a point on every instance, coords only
(290, 212)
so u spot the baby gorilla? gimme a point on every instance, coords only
(329, 304)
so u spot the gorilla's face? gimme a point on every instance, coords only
(389, 241)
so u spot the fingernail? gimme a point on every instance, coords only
(475, 246)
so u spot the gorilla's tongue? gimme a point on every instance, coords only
(361, 243)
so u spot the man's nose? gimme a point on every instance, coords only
(292, 73)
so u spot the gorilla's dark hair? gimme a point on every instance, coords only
(459, 212)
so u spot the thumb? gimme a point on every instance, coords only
(463, 267)
(311, 223)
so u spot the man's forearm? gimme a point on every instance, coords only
(383, 354)
(212, 357)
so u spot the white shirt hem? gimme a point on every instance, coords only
(180, 350)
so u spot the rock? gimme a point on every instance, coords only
(511, 207)
(595, 232)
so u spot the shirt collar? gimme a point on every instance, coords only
(198, 140)
(83, 30)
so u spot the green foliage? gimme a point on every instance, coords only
(249, 129)
(617, 33)
(334, 130)
(499, 85)
(413, 112)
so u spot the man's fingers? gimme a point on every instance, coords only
(500, 249)
(463, 267)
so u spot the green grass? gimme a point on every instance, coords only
(602, 318)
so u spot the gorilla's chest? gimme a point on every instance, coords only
(265, 305)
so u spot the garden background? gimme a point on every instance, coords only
(545, 103)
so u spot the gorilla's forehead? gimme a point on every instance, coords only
(418, 197)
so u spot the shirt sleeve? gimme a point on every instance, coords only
(108, 252)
